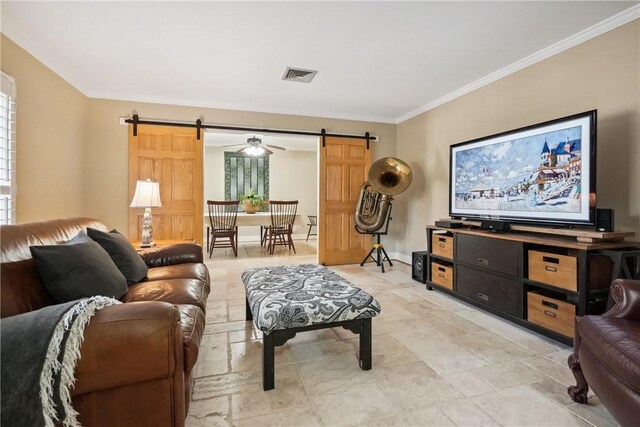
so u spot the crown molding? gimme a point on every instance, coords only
(240, 107)
(602, 27)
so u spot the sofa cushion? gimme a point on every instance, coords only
(174, 291)
(180, 271)
(77, 269)
(613, 341)
(123, 254)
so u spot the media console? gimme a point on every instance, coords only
(535, 280)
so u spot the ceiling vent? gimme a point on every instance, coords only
(298, 75)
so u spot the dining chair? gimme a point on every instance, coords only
(313, 222)
(222, 220)
(283, 214)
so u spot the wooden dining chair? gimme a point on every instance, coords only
(222, 220)
(313, 222)
(283, 214)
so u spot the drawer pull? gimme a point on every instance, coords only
(441, 269)
(549, 313)
(550, 304)
(441, 275)
(549, 268)
(442, 245)
(483, 261)
(483, 297)
(552, 260)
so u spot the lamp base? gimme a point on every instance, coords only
(148, 245)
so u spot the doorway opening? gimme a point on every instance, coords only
(272, 167)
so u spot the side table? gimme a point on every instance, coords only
(161, 244)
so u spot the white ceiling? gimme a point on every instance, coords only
(213, 138)
(377, 61)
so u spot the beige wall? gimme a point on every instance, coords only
(51, 124)
(602, 74)
(292, 176)
(106, 166)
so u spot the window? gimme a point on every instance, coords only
(7, 150)
(243, 172)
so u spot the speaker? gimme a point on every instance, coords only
(419, 266)
(494, 225)
(604, 220)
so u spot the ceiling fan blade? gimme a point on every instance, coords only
(240, 150)
(269, 152)
(232, 145)
(276, 147)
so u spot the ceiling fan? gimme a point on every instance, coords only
(255, 147)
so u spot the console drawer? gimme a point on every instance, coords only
(550, 313)
(442, 245)
(554, 269)
(442, 275)
(493, 254)
(495, 291)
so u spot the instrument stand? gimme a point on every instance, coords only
(379, 259)
(378, 248)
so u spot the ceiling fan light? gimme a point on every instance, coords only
(254, 151)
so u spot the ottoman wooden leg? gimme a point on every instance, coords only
(248, 315)
(268, 362)
(365, 345)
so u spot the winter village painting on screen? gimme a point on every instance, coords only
(537, 173)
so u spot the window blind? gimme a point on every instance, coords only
(7, 149)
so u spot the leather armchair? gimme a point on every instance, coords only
(137, 357)
(606, 355)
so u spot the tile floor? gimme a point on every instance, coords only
(436, 362)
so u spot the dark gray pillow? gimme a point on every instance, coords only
(77, 269)
(123, 254)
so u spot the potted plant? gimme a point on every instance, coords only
(251, 201)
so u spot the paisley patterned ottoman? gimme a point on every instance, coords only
(285, 300)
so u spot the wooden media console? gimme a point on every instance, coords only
(539, 281)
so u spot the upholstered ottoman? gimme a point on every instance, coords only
(283, 301)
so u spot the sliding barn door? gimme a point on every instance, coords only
(344, 165)
(173, 157)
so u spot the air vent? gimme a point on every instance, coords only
(298, 75)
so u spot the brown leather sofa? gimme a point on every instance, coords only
(606, 355)
(137, 357)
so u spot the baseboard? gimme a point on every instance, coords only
(400, 257)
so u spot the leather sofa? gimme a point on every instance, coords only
(137, 357)
(606, 355)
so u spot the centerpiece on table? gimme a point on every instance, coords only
(252, 201)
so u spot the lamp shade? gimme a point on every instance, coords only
(147, 195)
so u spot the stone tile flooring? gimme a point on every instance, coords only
(436, 362)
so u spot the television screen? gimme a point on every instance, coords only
(540, 173)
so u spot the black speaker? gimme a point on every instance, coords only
(419, 266)
(604, 220)
(494, 225)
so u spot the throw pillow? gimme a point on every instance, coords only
(123, 254)
(77, 269)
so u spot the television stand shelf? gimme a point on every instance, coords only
(539, 281)
(582, 235)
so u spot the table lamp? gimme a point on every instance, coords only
(147, 196)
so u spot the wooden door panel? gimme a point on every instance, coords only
(182, 226)
(173, 157)
(344, 164)
(182, 180)
(150, 168)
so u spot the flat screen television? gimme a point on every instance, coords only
(543, 173)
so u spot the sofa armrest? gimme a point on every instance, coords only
(128, 344)
(181, 253)
(626, 294)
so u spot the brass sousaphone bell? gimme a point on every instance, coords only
(387, 177)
